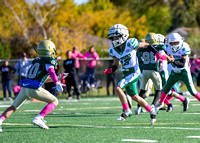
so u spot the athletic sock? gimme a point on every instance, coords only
(148, 108)
(197, 96)
(47, 109)
(125, 106)
(181, 98)
(163, 96)
(2, 117)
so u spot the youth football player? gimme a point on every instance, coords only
(123, 50)
(38, 73)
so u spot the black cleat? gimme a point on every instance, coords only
(186, 104)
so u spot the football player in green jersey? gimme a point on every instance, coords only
(123, 50)
(179, 52)
(150, 68)
(38, 73)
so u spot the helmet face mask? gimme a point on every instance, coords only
(118, 34)
(152, 38)
(175, 41)
(46, 48)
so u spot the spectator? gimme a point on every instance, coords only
(6, 79)
(92, 57)
(50, 86)
(71, 79)
(76, 54)
(111, 78)
(22, 67)
(194, 66)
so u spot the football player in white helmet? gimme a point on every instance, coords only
(179, 51)
(164, 71)
(38, 73)
(123, 50)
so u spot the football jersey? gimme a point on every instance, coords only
(37, 73)
(184, 50)
(127, 55)
(148, 57)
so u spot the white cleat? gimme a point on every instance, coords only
(40, 122)
(124, 115)
(153, 114)
(159, 105)
(138, 110)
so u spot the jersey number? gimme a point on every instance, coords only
(33, 70)
(148, 58)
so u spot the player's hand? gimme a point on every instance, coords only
(171, 58)
(161, 56)
(107, 71)
(59, 86)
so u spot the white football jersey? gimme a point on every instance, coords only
(127, 56)
(184, 50)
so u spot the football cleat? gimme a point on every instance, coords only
(40, 122)
(153, 114)
(125, 115)
(138, 110)
(159, 105)
(170, 108)
(186, 104)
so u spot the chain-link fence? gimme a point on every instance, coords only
(100, 82)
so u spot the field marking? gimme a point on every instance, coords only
(139, 140)
(195, 137)
(2, 106)
(111, 126)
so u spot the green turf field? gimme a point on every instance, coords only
(93, 120)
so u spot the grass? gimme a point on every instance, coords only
(93, 120)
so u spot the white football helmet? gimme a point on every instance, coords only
(118, 30)
(46, 48)
(175, 37)
(161, 39)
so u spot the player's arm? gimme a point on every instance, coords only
(113, 68)
(162, 55)
(49, 79)
(142, 44)
(181, 63)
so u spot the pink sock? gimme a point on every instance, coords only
(169, 97)
(3, 117)
(166, 101)
(125, 106)
(197, 96)
(181, 98)
(163, 96)
(47, 109)
(148, 108)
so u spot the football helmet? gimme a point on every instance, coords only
(118, 30)
(46, 48)
(175, 37)
(161, 39)
(152, 38)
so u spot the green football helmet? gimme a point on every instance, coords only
(46, 48)
(152, 38)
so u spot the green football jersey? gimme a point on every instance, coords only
(146, 58)
(37, 73)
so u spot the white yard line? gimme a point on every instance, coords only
(139, 140)
(195, 137)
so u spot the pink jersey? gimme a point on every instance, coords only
(91, 63)
(194, 64)
(76, 55)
